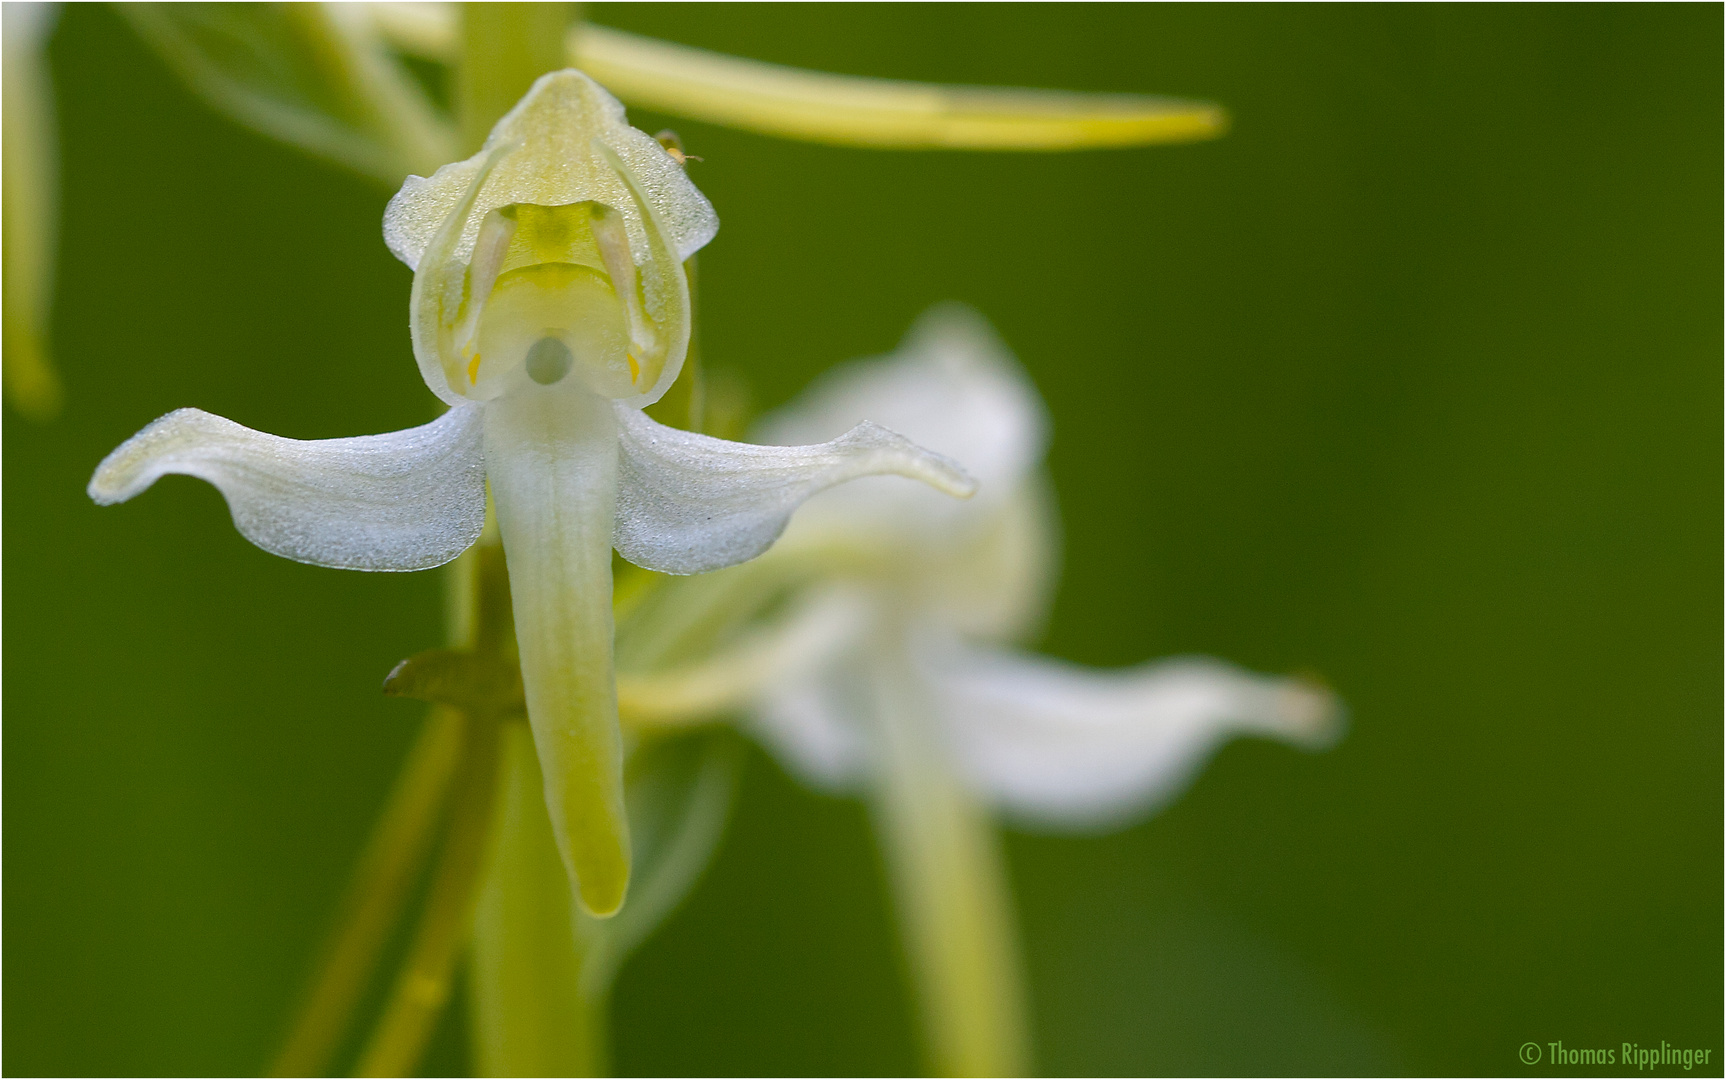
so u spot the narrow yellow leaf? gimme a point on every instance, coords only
(849, 110)
(840, 110)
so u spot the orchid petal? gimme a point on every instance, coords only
(689, 503)
(1062, 745)
(407, 500)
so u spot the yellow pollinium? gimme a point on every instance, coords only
(554, 293)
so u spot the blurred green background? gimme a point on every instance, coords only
(1413, 380)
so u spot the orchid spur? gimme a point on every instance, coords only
(549, 308)
(880, 660)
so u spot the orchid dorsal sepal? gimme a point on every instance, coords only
(569, 224)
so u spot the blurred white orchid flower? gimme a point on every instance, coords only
(1048, 743)
(890, 671)
(549, 308)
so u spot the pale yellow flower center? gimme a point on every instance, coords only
(552, 291)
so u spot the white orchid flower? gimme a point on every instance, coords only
(549, 307)
(892, 671)
(1048, 743)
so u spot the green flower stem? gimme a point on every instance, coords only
(413, 818)
(505, 47)
(423, 986)
(532, 1013)
(376, 895)
(950, 886)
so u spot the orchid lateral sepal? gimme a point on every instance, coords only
(408, 500)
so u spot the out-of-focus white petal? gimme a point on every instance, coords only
(1056, 744)
(689, 503)
(986, 567)
(549, 161)
(787, 649)
(817, 726)
(953, 387)
(999, 586)
(407, 500)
